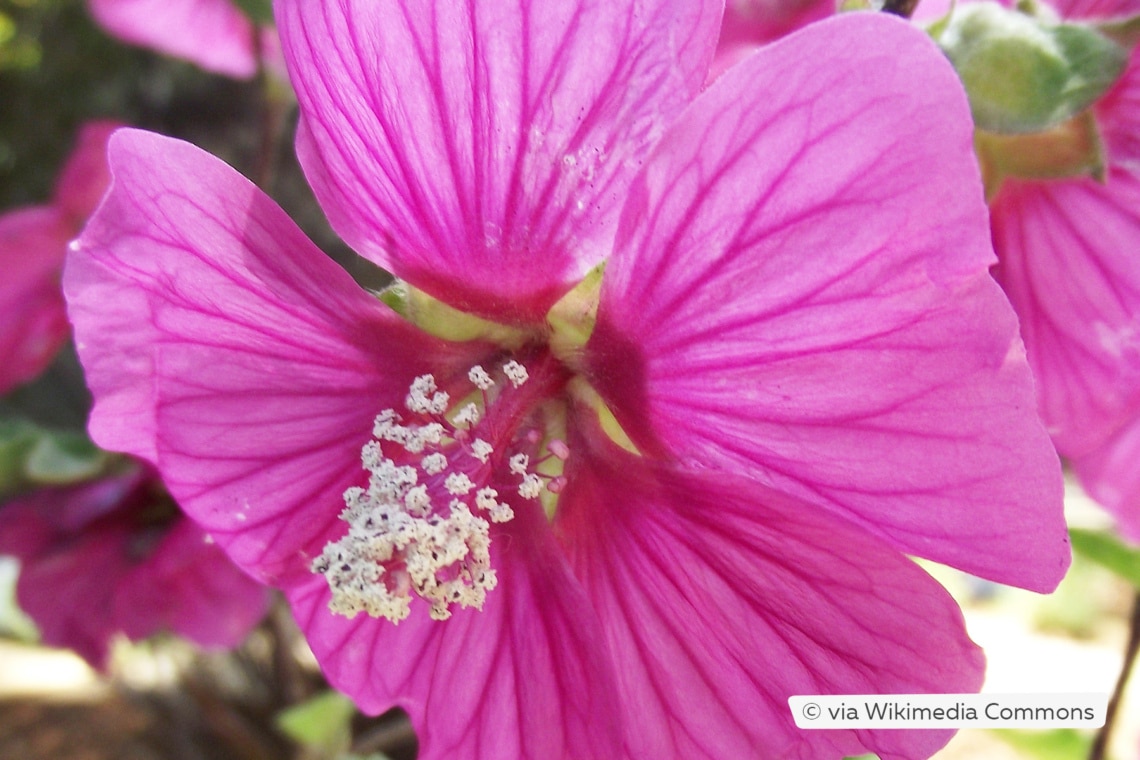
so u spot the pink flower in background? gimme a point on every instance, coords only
(115, 556)
(795, 329)
(213, 34)
(1068, 249)
(751, 23)
(33, 243)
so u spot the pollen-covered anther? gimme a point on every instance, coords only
(531, 486)
(468, 416)
(487, 499)
(424, 397)
(434, 463)
(481, 450)
(516, 373)
(458, 484)
(518, 464)
(480, 379)
(418, 501)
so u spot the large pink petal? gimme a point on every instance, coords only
(720, 598)
(794, 298)
(1068, 264)
(526, 677)
(33, 322)
(213, 34)
(223, 346)
(481, 150)
(1112, 477)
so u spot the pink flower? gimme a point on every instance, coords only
(33, 243)
(115, 556)
(213, 34)
(795, 330)
(1068, 263)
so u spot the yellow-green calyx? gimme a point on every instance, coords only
(437, 318)
(572, 318)
(1072, 149)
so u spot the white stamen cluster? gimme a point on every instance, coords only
(398, 542)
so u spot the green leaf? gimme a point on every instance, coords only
(323, 721)
(1024, 74)
(16, 439)
(1108, 551)
(259, 12)
(32, 456)
(63, 458)
(1059, 744)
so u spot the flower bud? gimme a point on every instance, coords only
(1024, 73)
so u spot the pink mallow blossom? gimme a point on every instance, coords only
(33, 244)
(1068, 252)
(114, 556)
(213, 34)
(582, 520)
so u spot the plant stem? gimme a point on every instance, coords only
(1100, 744)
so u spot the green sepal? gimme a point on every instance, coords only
(259, 12)
(1109, 552)
(1024, 73)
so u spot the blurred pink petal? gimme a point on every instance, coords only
(33, 324)
(1112, 477)
(794, 299)
(482, 151)
(84, 178)
(110, 557)
(750, 23)
(1068, 264)
(213, 34)
(33, 243)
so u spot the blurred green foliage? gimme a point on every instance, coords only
(1059, 744)
(58, 70)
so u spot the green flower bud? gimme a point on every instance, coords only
(1024, 73)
